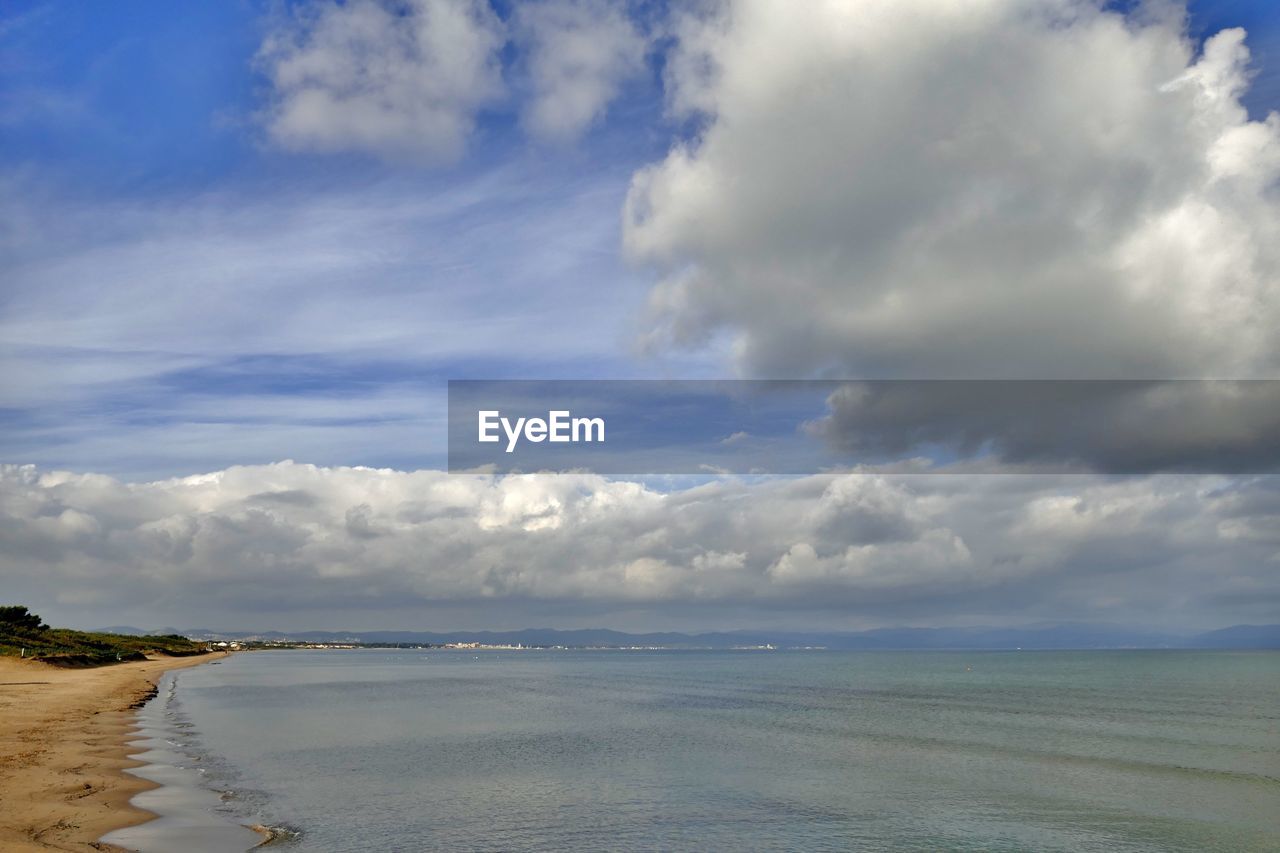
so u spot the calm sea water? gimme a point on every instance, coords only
(667, 750)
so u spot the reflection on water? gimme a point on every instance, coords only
(653, 750)
(191, 816)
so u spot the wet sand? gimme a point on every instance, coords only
(63, 751)
(190, 819)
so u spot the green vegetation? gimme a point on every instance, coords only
(24, 633)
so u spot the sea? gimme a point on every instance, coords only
(743, 750)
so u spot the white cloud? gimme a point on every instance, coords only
(328, 539)
(580, 52)
(395, 79)
(966, 189)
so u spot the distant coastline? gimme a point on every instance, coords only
(1056, 637)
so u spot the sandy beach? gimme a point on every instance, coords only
(62, 751)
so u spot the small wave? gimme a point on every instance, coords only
(276, 834)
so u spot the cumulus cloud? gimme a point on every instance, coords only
(312, 539)
(403, 79)
(580, 52)
(408, 79)
(975, 189)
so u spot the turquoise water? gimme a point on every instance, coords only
(748, 750)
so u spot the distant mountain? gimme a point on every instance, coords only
(1240, 637)
(1057, 636)
(131, 631)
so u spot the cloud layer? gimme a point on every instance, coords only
(979, 189)
(851, 549)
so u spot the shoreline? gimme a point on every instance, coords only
(65, 744)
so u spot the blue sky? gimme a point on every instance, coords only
(505, 263)
(128, 127)
(234, 234)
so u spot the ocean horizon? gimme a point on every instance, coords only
(337, 750)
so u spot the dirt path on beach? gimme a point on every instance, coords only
(62, 751)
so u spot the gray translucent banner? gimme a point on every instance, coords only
(656, 427)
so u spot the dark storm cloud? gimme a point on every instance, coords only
(1114, 427)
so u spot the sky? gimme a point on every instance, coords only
(244, 247)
